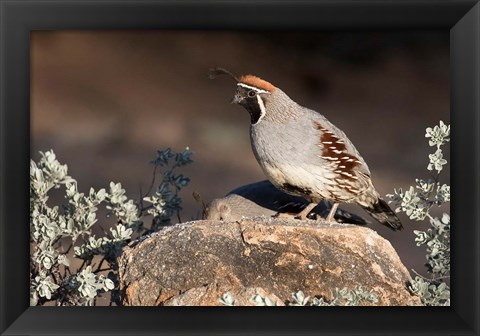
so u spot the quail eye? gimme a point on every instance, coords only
(251, 93)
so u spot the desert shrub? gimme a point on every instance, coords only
(341, 297)
(416, 203)
(56, 229)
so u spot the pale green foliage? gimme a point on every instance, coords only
(227, 299)
(436, 161)
(431, 293)
(341, 297)
(42, 286)
(71, 223)
(416, 203)
(165, 201)
(263, 301)
(299, 299)
(439, 135)
(88, 283)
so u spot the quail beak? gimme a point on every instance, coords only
(237, 99)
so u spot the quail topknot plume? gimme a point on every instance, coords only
(304, 154)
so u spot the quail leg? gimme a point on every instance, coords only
(303, 215)
(333, 210)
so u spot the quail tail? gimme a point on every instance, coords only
(384, 215)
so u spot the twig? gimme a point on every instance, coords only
(68, 249)
(432, 279)
(146, 208)
(99, 265)
(83, 264)
(151, 183)
(141, 198)
(56, 240)
(178, 216)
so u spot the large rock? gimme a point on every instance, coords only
(196, 263)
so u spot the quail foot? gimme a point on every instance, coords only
(304, 154)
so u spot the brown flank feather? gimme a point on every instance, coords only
(256, 82)
(346, 163)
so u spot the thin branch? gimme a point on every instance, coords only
(178, 210)
(141, 198)
(68, 249)
(55, 273)
(56, 240)
(154, 176)
(146, 208)
(99, 265)
(81, 266)
(432, 279)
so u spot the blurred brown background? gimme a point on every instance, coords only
(105, 101)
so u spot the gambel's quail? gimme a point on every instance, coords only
(304, 154)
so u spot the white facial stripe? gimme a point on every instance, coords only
(262, 108)
(252, 88)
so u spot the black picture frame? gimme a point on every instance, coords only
(18, 18)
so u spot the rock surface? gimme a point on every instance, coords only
(196, 263)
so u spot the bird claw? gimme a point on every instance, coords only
(310, 216)
(286, 215)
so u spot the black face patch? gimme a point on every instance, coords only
(296, 190)
(250, 103)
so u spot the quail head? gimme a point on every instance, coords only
(304, 154)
